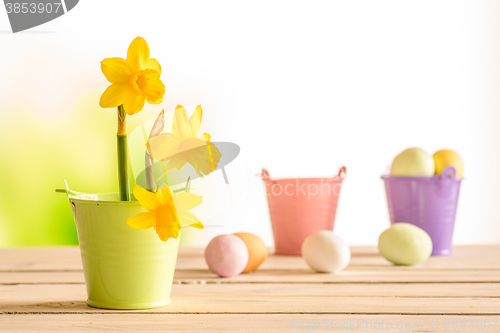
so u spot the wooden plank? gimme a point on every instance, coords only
(279, 276)
(259, 299)
(68, 259)
(475, 257)
(470, 257)
(484, 290)
(248, 323)
(345, 276)
(39, 259)
(437, 290)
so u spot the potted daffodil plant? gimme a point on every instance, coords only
(129, 240)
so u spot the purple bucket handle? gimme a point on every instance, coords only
(447, 179)
(449, 172)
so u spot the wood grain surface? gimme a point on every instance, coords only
(44, 289)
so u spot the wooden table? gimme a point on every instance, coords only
(43, 289)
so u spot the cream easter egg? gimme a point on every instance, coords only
(444, 158)
(405, 244)
(257, 250)
(326, 252)
(226, 255)
(413, 162)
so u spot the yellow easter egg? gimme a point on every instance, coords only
(444, 158)
(257, 250)
(413, 162)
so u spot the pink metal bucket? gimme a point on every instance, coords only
(300, 207)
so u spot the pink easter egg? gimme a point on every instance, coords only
(226, 255)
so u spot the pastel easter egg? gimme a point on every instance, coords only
(405, 244)
(226, 255)
(413, 162)
(326, 252)
(257, 250)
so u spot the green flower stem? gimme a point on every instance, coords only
(122, 148)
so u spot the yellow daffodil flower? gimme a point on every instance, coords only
(134, 80)
(167, 212)
(184, 145)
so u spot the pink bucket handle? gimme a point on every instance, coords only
(342, 172)
(265, 176)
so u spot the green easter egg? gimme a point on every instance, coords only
(405, 244)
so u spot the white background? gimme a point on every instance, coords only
(303, 87)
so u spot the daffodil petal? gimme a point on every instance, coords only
(180, 125)
(187, 218)
(176, 162)
(193, 143)
(164, 146)
(153, 64)
(142, 220)
(114, 95)
(133, 103)
(147, 199)
(167, 223)
(203, 160)
(185, 201)
(164, 196)
(138, 54)
(116, 70)
(195, 121)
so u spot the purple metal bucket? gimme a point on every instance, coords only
(429, 203)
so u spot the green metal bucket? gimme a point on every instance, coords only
(124, 268)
